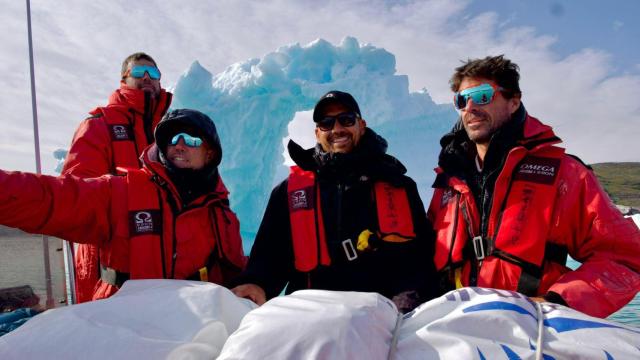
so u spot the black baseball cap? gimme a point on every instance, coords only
(335, 96)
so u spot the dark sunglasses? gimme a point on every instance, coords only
(138, 72)
(346, 119)
(481, 95)
(190, 141)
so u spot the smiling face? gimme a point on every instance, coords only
(144, 83)
(482, 121)
(340, 139)
(186, 157)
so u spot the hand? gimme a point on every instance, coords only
(252, 292)
(407, 301)
(537, 299)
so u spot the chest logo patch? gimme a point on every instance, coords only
(120, 132)
(301, 199)
(144, 222)
(538, 170)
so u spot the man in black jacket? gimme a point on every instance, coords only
(347, 218)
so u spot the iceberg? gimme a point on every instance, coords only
(254, 101)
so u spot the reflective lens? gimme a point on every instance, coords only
(139, 70)
(481, 95)
(191, 141)
(327, 123)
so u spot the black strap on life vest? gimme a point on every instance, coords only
(531, 275)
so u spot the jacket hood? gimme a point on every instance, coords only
(369, 157)
(176, 121)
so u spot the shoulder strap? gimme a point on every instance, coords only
(146, 243)
(123, 139)
(395, 220)
(526, 215)
(307, 226)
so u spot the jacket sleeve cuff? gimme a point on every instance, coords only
(555, 298)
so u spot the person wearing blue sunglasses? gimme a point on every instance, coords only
(113, 137)
(509, 204)
(169, 219)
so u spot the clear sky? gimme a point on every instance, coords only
(579, 59)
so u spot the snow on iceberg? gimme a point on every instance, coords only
(252, 102)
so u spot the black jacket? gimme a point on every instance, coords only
(347, 207)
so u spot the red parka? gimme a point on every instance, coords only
(545, 204)
(182, 239)
(114, 136)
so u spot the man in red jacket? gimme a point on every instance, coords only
(509, 204)
(171, 219)
(114, 136)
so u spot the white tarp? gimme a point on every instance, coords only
(316, 324)
(477, 323)
(160, 319)
(470, 323)
(146, 319)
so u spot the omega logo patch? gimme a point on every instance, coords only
(120, 132)
(301, 199)
(537, 169)
(144, 222)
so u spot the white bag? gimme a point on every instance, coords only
(146, 319)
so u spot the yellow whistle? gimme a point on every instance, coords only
(363, 240)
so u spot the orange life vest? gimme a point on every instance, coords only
(395, 222)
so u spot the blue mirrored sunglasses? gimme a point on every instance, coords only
(191, 141)
(481, 95)
(346, 119)
(139, 70)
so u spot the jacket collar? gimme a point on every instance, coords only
(368, 158)
(151, 163)
(522, 130)
(136, 99)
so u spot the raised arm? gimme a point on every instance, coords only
(66, 207)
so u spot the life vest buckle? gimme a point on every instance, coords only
(478, 248)
(349, 250)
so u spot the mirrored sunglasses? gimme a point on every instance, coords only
(190, 141)
(138, 72)
(481, 95)
(327, 123)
